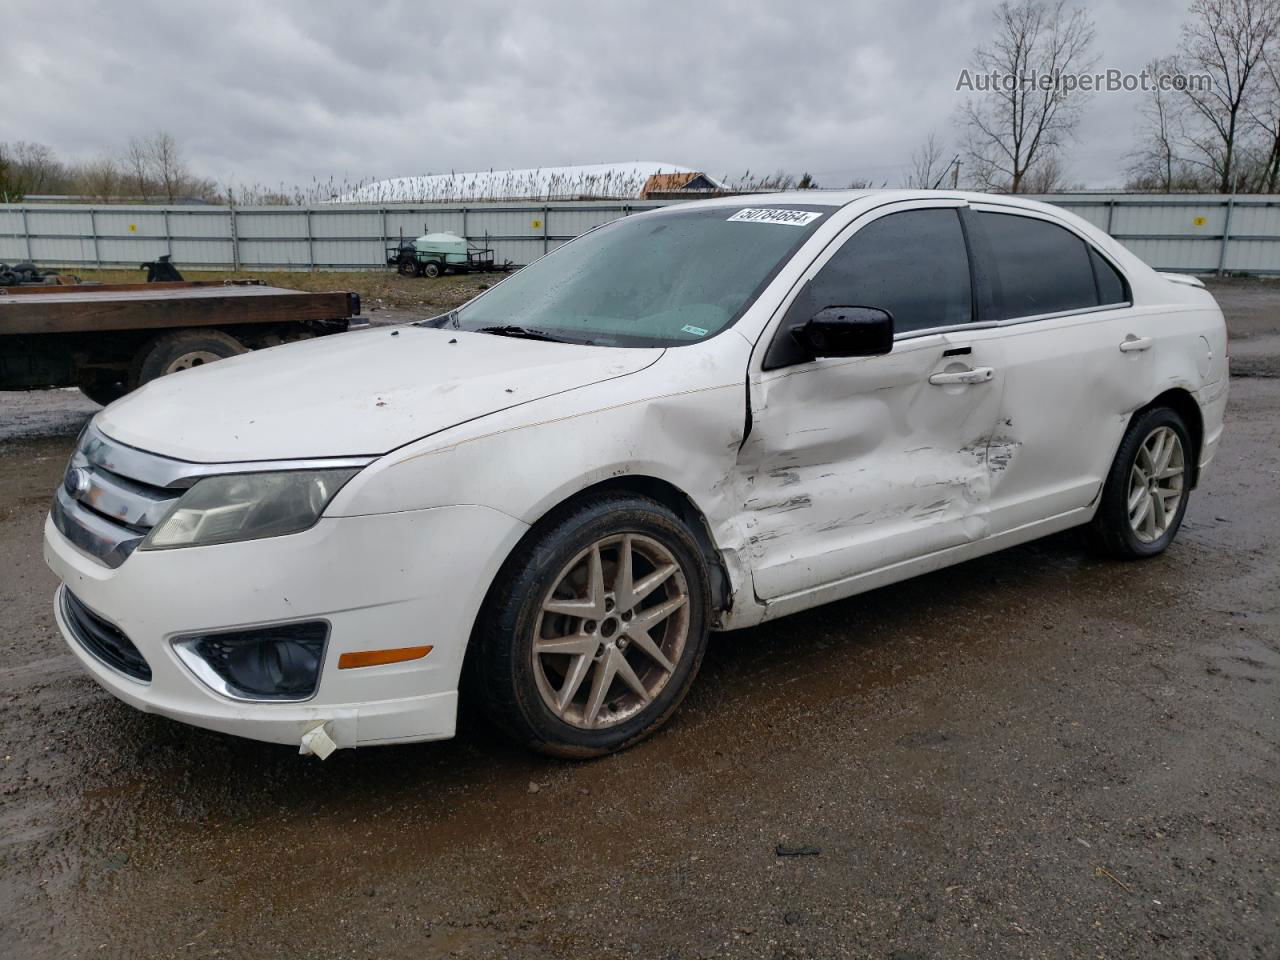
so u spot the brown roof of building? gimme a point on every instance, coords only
(662, 182)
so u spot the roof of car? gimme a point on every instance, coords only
(840, 198)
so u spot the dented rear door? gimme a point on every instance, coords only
(855, 464)
(1070, 382)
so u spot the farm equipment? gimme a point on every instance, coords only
(27, 274)
(433, 254)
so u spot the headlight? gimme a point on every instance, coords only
(247, 506)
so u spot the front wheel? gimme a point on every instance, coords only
(432, 269)
(594, 629)
(1145, 495)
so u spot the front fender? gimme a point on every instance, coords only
(680, 420)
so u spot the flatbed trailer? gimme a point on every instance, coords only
(108, 339)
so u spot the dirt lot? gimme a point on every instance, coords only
(1037, 754)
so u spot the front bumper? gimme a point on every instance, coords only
(381, 581)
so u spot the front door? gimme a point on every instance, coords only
(855, 464)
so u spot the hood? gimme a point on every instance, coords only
(350, 394)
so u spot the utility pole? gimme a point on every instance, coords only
(954, 166)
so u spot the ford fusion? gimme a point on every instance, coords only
(694, 419)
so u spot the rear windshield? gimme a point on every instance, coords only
(662, 279)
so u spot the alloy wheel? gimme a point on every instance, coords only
(1156, 484)
(611, 631)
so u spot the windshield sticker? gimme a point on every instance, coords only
(793, 218)
(696, 331)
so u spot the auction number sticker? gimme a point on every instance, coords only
(793, 218)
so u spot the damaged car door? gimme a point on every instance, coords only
(853, 464)
(1070, 382)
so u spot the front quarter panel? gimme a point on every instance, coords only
(680, 420)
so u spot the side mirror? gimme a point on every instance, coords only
(846, 332)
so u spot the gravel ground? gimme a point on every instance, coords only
(1036, 754)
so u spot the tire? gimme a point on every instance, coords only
(408, 267)
(103, 388)
(432, 269)
(181, 350)
(518, 687)
(1114, 528)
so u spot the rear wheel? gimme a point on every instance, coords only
(407, 267)
(432, 268)
(594, 630)
(182, 350)
(1145, 496)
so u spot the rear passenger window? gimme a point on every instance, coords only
(913, 264)
(1037, 267)
(1110, 284)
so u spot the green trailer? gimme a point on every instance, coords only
(433, 254)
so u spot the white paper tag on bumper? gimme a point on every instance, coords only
(793, 218)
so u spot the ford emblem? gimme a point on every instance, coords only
(77, 482)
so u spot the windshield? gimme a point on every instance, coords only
(657, 280)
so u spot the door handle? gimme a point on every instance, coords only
(1131, 343)
(976, 375)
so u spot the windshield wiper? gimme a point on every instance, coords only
(524, 333)
(444, 320)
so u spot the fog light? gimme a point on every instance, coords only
(265, 663)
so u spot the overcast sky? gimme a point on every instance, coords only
(284, 91)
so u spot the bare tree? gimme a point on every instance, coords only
(1155, 164)
(36, 167)
(926, 164)
(1229, 40)
(154, 165)
(164, 161)
(99, 179)
(1264, 115)
(1022, 116)
(1046, 175)
(137, 167)
(9, 188)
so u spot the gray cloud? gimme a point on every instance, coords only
(288, 91)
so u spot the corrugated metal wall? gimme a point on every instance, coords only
(324, 237)
(1189, 232)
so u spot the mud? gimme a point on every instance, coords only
(1037, 754)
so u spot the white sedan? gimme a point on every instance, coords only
(694, 419)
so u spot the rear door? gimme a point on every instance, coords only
(1064, 311)
(854, 464)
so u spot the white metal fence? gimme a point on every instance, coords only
(1193, 232)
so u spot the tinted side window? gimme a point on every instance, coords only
(1111, 287)
(912, 264)
(1037, 267)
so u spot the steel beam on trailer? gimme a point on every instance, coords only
(99, 308)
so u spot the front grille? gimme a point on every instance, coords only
(103, 639)
(112, 495)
